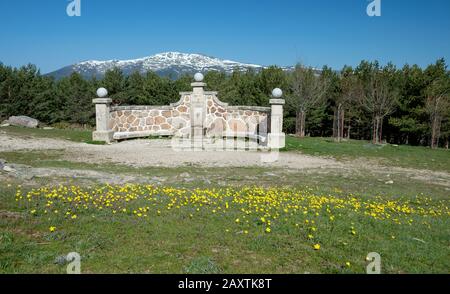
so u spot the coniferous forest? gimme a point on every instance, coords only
(409, 105)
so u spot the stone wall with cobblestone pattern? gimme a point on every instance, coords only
(221, 119)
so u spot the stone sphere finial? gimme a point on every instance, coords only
(102, 92)
(277, 93)
(198, 77)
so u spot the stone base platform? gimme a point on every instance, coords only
(217, 144)
(103, 136)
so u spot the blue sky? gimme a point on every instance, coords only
(281, 32)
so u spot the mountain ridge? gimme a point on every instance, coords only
(167, 64)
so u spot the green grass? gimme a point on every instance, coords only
(360, 182)
(390, 155)
(75, 135)
(176, 242)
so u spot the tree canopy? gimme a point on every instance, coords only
(372, 102)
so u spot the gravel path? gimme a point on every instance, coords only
(158, 153)
(140, 153)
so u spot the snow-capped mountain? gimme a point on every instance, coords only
(169, 64)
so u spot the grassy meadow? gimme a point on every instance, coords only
(390, 155)
(242, 220)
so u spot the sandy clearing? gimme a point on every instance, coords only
(143, 153)
(158, 153)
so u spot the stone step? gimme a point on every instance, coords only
(209, 144)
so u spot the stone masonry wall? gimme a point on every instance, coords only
(240, 121)
(174, 120)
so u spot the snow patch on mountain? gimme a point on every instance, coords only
(163, 61)
(170, 64)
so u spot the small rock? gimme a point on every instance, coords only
(389, 182)
(27, 177)
(419, 240)
(158, 179)
(48, 128)
(185, 175)
(4, 125)
(10, 214)
(8, 169)
(60, 260)
(271, 174)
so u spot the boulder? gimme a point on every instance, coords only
(23, 121)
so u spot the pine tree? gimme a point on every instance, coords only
(135, 89)
(115, 82)
(410, 120)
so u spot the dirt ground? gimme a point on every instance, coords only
(144, 153)
(158, 153)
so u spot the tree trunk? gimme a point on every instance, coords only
(338, 130)
(303, 126)
(300, 123)
(377, 129)
(435, 132)
(9, 112)
(348, 130)
(339, 123)
(335, 128)
(374, 130)
(380, 131)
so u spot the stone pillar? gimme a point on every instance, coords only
(277, 139)
(102, 109)
(198, 112)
